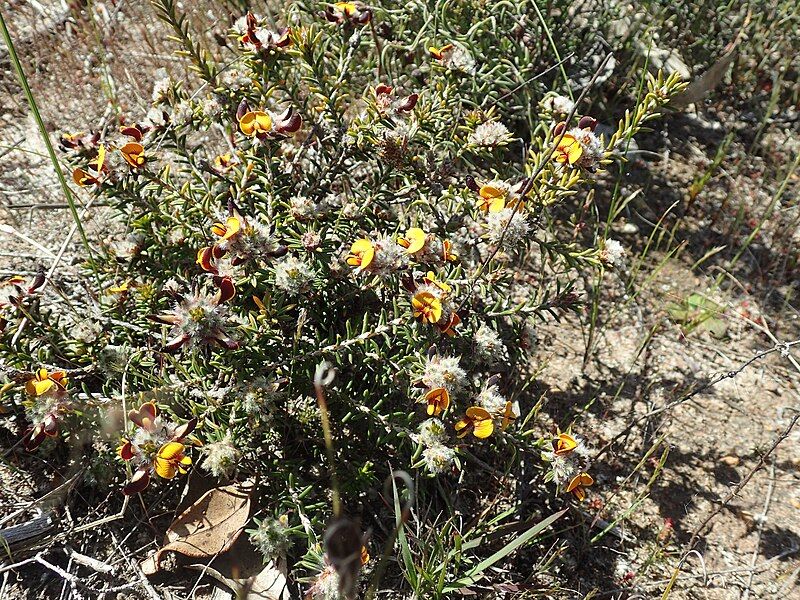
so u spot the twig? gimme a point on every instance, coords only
(709, 384)
(151, 591)
(87, 561)
(738, 488)
(760, 526)
(57, 259)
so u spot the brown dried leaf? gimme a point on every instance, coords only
(208, 527)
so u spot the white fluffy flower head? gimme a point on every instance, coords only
(490, 133)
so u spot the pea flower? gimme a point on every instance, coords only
(95, 172)
(79, 141)
(380, 256)
(427, 307)
(256, 38)
(568, 463)
(242, 240)
(387, 104)
(133, 152)
(431, 304)
(568, 150)
(362, 253)
(476, 421)
(355, 13)
(578, 146)
(224, 163)
(263, 125)
(578, 484)
(453, 57)
(496, 195)
(438, 400)
(426, 247)
(157, 446)
(13, 289)
(493, 197)
(49, 400)
(200, 319)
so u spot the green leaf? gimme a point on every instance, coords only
(476, 573)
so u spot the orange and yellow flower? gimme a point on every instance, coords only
(438, 400)
(493, 198)
(568, 151)
(263, 125)
(225, 231)
(171, 460)
(133, 153)
(353, 12)
(362, 253)
(158, 448)
(52, 385)
(508, 416)
(477, 421)
(44, 382)
(578, 484)
(414, 240)
(440, 53)
(430, 279)
(449, 327)
(564, 444)
(225, 162)
(255, 122)
(95, 171)
(426, 307)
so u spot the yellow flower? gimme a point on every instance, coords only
(427, 307)
(133, 153)
(430, 279)
(508, 416)
(578, 483)
(569, 150)
(255, 122)
(355, 12)
(440, 53)
(478, 421)
(96, 169)
(120, 289)
(447, 251)
(564, 444)
(225, 162)
(414, 240)
(438, 400)
(171, 460)
(228, 230)
(43, 382)
(493, 199)
(362, 253)
(348, 9)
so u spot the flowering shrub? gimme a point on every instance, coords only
(337, 191)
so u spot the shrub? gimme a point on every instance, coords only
(354, 196)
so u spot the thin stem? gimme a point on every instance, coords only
(46, 138)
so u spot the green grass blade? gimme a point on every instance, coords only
(23, 80)
(476, 572)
